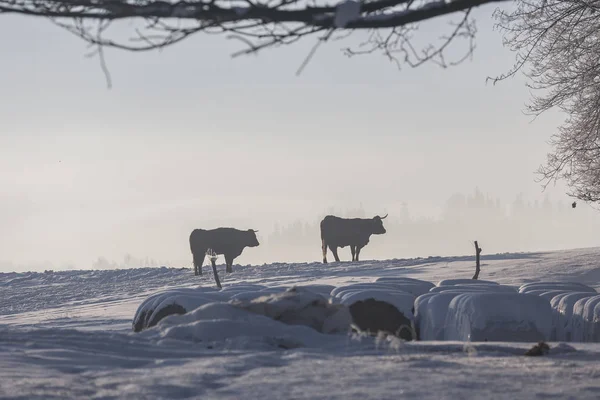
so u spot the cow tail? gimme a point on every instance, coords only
(198, 259)
(323, 242)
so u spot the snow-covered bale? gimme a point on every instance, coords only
(566, 286)
(244, 287)
(175, 301)
(552, 294)
(362, 286)
(452, 282)
(416, 289)
(550, 283)
(414, 286)
(594, 328)
(577, 320)
(377, 310)
(181, 301)
(294, 306)
(402, 279)
(473, 288)
(375, 316)
(432, 316)
(253, 294)
(230, 326)
(507, 317)
(432, 307)
(549, 294)
(301, 306)
(585, 319)
(340, 296)
(554, 302)
(419, 308)
(322, 289)
(564, 312)
(403, 301)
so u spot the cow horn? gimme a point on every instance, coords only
(384, 217)
(254, 231)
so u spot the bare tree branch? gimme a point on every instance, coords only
(259, 24)
(557, 43)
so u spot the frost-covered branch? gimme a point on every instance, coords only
(557, 43)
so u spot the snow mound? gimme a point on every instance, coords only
(506, 317)
(345, 12)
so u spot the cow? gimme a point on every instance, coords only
(229, 242)
(354, 232)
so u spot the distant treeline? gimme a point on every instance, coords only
(519, 226)
(129, 261)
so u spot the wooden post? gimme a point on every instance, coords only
(477, 262)
(213, 259)
(214, 267)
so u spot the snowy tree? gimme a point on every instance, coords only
(558, 47)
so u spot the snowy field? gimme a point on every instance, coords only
(69, 335)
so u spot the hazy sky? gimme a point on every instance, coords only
(190, 137)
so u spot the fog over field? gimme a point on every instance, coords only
(512, 226)
(190, 138)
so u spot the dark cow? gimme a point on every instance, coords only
(354, 232)
(229, 242)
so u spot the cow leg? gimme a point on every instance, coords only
(357, 252)
(198, 261)
(324, 248)
(334, 251)
(352, 250)
(228, 264)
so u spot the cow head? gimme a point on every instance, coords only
(377, 225)
(251, 240)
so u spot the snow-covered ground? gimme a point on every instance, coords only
(68, 335)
